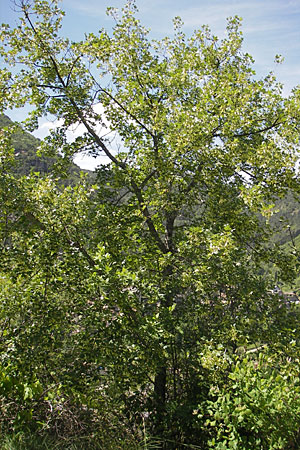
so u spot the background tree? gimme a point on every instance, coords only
(162, 262)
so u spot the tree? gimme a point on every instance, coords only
(170, 249)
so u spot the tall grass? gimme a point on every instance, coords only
(24, 441)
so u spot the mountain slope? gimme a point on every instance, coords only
(286, 221)
(25, 145)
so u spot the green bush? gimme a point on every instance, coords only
(257, 408)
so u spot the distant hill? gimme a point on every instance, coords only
(25, 145)
(286, 225)
(286, 221)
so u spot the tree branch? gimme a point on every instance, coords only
(146, 213)
(262, 130)
(132, 116)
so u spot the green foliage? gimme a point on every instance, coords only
(259, 405)
(125, 304)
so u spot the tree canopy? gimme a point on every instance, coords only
(146, 296)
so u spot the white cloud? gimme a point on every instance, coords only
(76, 130)
(214, 12)
(90, 163)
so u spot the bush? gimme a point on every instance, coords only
(257, 408)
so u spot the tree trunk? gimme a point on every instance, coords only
(160, 390)
(160, 383)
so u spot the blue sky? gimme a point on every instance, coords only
(270, 27)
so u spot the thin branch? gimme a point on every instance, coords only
(71, 70)
(262, 130)
(48, 86)
(133, 117)
(143, 87)
(148, 177)
(83, 250)
(128, 191)
(146, 213)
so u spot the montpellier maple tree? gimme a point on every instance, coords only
(164, 260)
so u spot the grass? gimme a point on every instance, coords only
(26, 441)
(20, 441)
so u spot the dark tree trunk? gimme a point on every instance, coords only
(160, 383)
(160, 392)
